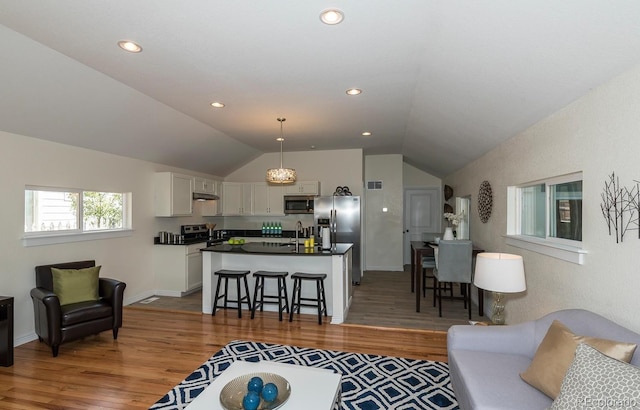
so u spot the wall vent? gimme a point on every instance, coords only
(371, 185)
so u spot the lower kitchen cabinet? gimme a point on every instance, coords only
(178, 268)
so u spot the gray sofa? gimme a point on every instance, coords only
(486, 361)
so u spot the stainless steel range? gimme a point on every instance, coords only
(194, 233)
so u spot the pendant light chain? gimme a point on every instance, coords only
(281, 138)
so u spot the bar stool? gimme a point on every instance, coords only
(231, 274)
(320, 300)
(282, 295)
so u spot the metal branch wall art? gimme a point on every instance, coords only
(620, 207)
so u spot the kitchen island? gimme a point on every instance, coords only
(282, 257)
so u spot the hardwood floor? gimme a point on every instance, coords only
(383, 299)
(157, 349)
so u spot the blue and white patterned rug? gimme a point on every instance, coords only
(368, 381)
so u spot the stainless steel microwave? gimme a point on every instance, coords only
(298, 204)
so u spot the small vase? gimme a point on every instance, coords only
(448, 234)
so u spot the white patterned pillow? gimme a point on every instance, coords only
(596, 381)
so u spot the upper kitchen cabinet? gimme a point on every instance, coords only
(237, 198)
(268, 199)
(213, 208)
(303, 188)
(173, 194)
(204, 186)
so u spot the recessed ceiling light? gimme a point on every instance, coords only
(367, 133)
(217, 104)
(354, 91)
(129, 46)
(331, 16)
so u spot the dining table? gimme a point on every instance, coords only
(419, 249)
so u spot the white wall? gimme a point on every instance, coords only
(30, 161)
(383, 239)
(597, 134)
(332, 168)
(412, 177)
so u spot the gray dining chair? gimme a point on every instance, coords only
(428, 263)
(455, 260)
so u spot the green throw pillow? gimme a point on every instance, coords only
(75, 285)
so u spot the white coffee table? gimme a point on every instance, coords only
(311, 388)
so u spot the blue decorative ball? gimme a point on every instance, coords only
(255, 384)
(269, 392)
(251, 401)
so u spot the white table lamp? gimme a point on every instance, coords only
(499, 273)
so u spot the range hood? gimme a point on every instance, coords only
(197, 196)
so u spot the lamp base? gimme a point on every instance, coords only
(497, 316)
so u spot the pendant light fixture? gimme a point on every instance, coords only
(281, 175)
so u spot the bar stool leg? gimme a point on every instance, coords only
(239, 298)
(226, 291)
(279, 300)
(246, 290)
(255, 298)
(215, 299)
(318, 295)
(261, 279)
(286, 296)
(296, 287)
(324, 298)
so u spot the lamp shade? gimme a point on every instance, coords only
(500, 272)
(281, 175)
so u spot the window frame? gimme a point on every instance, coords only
(565, 249)
(79, 234)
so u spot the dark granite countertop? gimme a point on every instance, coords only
(225, 234)
(156, 241)
(274, 248)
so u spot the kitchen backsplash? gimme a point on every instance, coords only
(255, 222)
(232, 222)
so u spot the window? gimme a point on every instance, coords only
(547, 213)
(58, 212)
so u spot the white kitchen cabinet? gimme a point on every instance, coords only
(173, 194)
(178, 268)
(213, 208)
(303, 188)
(204, 186)
(267, 199)
(237, 198)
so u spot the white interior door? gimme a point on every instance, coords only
(422, 214)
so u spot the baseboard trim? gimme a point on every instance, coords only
(386, 268)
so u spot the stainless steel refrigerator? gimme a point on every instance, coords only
(342, 215)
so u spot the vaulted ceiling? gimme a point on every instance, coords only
(443, 81)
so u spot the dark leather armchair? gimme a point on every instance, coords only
(57, 324)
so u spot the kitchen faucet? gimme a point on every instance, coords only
(298, 229)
